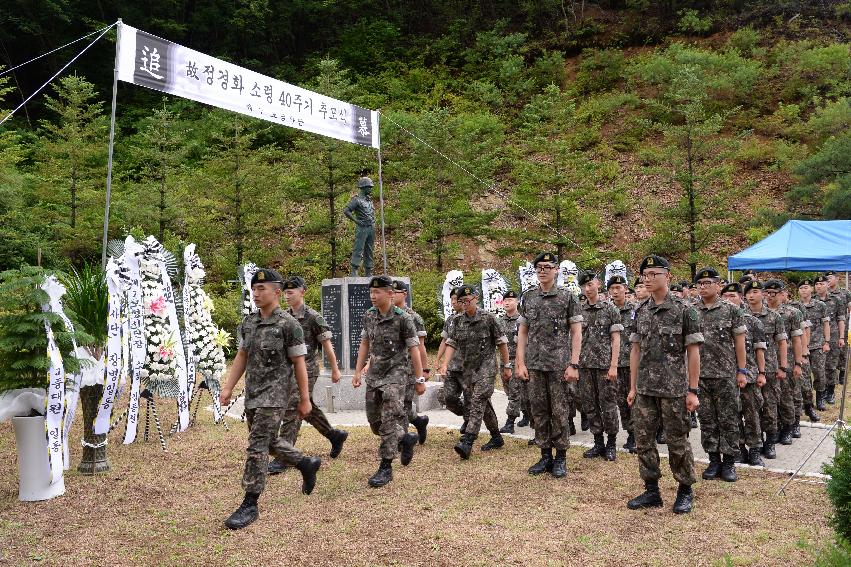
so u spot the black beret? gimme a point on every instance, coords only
(616, 279)
(711, 273)
(820, 279)
(829, 273)
(265, 275)
(752, 284)
(399, 285)
(295, 282)
(510, 294)
(745, 278)
(586, 277)
(454, 292)
(653, 261)
(466, 291)
(676, 287)
(381, 281)
(545, 257)
(805, 281)
(637, 282)
(734, 287)
(773, 284)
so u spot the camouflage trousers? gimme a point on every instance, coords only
(263, 439)
(291, 424)
(817, 357)
(477, 397)
(831, 364)
(386, 414)
(410, 408)
(549, 398)
(770, 395)
(843, 360)
(599, 400)
(719, 415)
(786, 399)
(517, 391)
(623, 391)
(805, 385)
(452, 390)
(750, 427)
(648, 413)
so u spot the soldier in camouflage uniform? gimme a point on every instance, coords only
(750, 426)
(792, 323)
(775, 363)
(548, 345)
(453, 386)
(817, 313)
(836, 310)
(387, 341)
(317, 334)
(271, 354)
(598, 367)
(844, 296)
(474, 336)
(667, 335)
(516, 389)
(804, 384)
(420, 422)
(617, 287)
(723, 371)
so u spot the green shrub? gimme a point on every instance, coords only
(835, 555)
(692, 22)
(744, 40)
(600, 70)
(839, 485)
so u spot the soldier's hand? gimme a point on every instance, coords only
(630, 397)
(692, 403)
(741, 381)
(760, 380)
(522, 372)
(356, 380)
(780, 375)
(335, 375)
(224, 396)
(304, 407)
(419, 389)
(571, 374)
(442, 370)
(613, 373)
(825, 347)
(506, 375)
(796, 371)
(841, 343)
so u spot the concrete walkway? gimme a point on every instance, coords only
(789, 457)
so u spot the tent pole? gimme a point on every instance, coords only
(111, 145)
(381, 202)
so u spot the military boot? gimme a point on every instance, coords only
(630, 442)
(530, 442)
(820, 401)
(768, 450)
(275, 467)
(509, 426)
(465, 446)
(650, 498)
(811, 413)
(796, 429)
(337, 437)
(463, 429)
(406, 448)
(543, 465)
(660, 436)
(583, 422)
(685, 496)
(245, 514)
(524, 420)
(785, 437)
(495, 442)
(421, 423)
(308, 467)
(754, 457)
(598, 450)
(830, 394)
(611, 451)
(383, 475)
(728, 469)
(713, 471)
(742, 457)
(571, 428)
(694, 420)
(560, 464)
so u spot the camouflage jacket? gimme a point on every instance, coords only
(816, 314)
(663, 332)
(720, 323)
(836, 312)
(754, 341)
(772, 323)
(628, 322)
(390, 336)
(454, 365)
(315, 330)
(269, 343)
(510, 327)
(474, 340)
(547, 316)
(793, 324)
(419, 325)
(599, 322)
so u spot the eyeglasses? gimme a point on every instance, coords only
(771, 293)
(544, 268)
(705, 283)
(651, 275)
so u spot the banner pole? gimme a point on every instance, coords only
(111, 145)
(381, 202)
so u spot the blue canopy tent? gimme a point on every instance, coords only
(803, 246)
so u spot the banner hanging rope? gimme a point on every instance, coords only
(36, 58)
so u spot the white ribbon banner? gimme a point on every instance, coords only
(494, 288)
(114, 349)
(179, 355)
(188, 324)
(54, 405)
(149, 61)
(454, 278)
(138, 345)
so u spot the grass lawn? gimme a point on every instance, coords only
(158, 508)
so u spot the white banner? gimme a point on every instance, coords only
(146, 60)
(179, 354)
(55, 401)
(568, 277)
(114, 349)
(528, 276)
(455, 278)
(248, 306)
(616, 268)
(494, 288)
(138, 345)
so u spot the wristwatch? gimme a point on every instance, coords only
(574, 366)
(508, 365)
(695, 391)
(783, 368)
(744, 371)
(421, 380)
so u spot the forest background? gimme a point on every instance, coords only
(601, 130)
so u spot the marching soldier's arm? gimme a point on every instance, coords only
(423, 355)
(741, 352)
(693, 354)
(363, 352)
(826, 325)
(328, 349)
(634, 359)
(300, 368)
(520, 354)
(237, 369)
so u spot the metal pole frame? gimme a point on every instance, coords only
(381, 201)
(111, 146)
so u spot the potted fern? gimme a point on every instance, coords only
(87, 296)
(24, 366)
